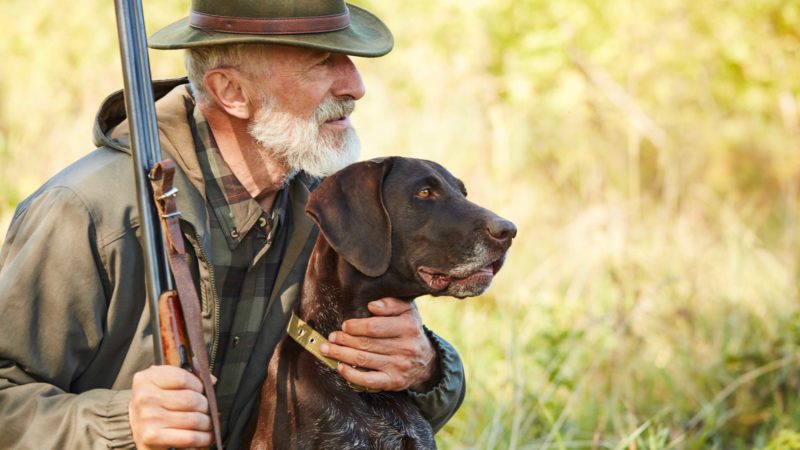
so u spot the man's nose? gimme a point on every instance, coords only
(348, 80)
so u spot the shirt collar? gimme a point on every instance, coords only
(235, 209)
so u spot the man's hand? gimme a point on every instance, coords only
(391, 343)
(168, 410)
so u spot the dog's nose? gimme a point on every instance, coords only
(501, 229)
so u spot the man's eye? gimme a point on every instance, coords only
(424, 193)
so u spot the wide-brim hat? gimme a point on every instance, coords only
(329, 25)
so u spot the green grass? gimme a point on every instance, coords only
(649, 153)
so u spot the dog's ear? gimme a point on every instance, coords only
(348, 207)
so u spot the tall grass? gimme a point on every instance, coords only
(648, 152)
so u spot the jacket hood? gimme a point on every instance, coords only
(112, 113)
(174, 104)
(172, 98)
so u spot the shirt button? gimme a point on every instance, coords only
(234, 233)
(262, 221)
(235, 341)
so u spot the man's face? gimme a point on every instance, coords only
(305, 100)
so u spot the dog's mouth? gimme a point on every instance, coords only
(457, 284)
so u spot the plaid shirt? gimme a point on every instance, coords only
(247, 245)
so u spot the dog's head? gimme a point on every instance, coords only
(410, 219)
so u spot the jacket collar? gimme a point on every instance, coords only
(111, 126)
(301, 233)
(175, 135)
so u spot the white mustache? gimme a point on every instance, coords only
(301, 141)
(333, 108)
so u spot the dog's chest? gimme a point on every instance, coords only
(374, 421)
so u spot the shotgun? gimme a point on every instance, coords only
(145, 151)
(174, 320)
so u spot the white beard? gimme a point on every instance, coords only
(301, 143)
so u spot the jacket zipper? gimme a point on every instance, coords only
(215, 329)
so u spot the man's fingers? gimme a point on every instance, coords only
(363, 343)
(168, 410)
(185, 401)
(189, 420)
(389, 306)
(169, 377)
(176, 438)
(355, 357)
(387, 346)
(392, 318)
(182, 420)
(391, 343)
(371, 379)
(381, 327)
(175, 390)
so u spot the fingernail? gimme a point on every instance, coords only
(378, 304)
(324, 348)
(332, 337)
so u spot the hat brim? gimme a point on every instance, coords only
(366, 36)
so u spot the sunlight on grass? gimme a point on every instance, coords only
(649, 154)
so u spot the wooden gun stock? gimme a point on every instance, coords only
(174, 342)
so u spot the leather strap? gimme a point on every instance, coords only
(273, 25)
(311, 340)
(161, 179)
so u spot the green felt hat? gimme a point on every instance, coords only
(330, 25)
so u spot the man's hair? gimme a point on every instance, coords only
(248, 58)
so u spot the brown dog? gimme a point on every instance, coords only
(393, 227)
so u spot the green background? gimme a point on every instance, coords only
(649, 153)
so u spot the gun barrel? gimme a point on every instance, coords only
(146, 151)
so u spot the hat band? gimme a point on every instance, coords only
(275, 25)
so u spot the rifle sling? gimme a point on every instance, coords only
(161, 179)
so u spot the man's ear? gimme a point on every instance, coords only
(226, 88)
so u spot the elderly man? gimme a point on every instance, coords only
(264, 115)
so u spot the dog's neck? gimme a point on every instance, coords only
(334, 291)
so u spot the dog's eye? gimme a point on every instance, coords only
(424, 193)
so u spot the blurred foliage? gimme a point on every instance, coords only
(649, 153)
(786, 440)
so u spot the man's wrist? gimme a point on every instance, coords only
(432, 373)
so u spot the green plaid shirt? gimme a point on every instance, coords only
(247, 245)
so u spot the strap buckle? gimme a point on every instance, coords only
(172, 192)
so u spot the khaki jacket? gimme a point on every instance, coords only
(74, 323)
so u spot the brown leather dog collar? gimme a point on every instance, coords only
(311, 340)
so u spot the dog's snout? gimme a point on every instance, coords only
(501, 229)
